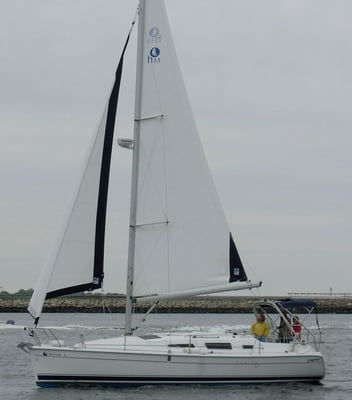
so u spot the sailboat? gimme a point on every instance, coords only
(179, 245)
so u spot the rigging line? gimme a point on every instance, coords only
(257, 292)
(168, 46)
(144, 318)
(149, 224)
(166, 206)
(134, 20)
(165, 37)
(145, 263)
(161, 116)
(148, 168)
(253, 272)
(103, 301)
(162, 133)
(161, 129)
(105, 305)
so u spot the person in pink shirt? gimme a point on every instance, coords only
(296, 326)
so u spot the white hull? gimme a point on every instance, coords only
(103, 362)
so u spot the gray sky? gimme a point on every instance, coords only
(270, 85)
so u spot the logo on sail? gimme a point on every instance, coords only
(154, 32)
(153, 39)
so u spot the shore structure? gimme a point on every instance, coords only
(202, 304)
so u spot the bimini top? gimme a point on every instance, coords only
(288, 303)
(297, 303)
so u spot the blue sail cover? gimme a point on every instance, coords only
(298, 303)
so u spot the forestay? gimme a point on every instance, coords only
(182, 243)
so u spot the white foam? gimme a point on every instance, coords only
(80, 327)
(211, 328)
(4, 326)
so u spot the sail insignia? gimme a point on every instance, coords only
(237, 271)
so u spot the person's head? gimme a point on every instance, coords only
(295, 319)
(260, 317)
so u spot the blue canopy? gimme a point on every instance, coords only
(297, 303)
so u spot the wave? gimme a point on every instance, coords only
(212, 328)
(186, 328)
(4, 326)
(81, 327)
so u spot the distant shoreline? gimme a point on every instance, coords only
(116, 304)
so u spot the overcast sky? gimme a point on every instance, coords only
(271, 89)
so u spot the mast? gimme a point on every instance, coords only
(135, 167)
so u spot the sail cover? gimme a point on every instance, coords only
(183, 242)
(77, 262)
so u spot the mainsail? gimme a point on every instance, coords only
(77, 263)
(182, 244)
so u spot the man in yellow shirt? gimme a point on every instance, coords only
(260, 328)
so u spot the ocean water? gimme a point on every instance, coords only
(17, 382)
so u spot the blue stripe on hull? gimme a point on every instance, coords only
(58, 380)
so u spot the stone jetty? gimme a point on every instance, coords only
(206, 304)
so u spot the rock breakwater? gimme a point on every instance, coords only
(116, 304)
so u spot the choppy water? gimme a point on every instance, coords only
(17, 382)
